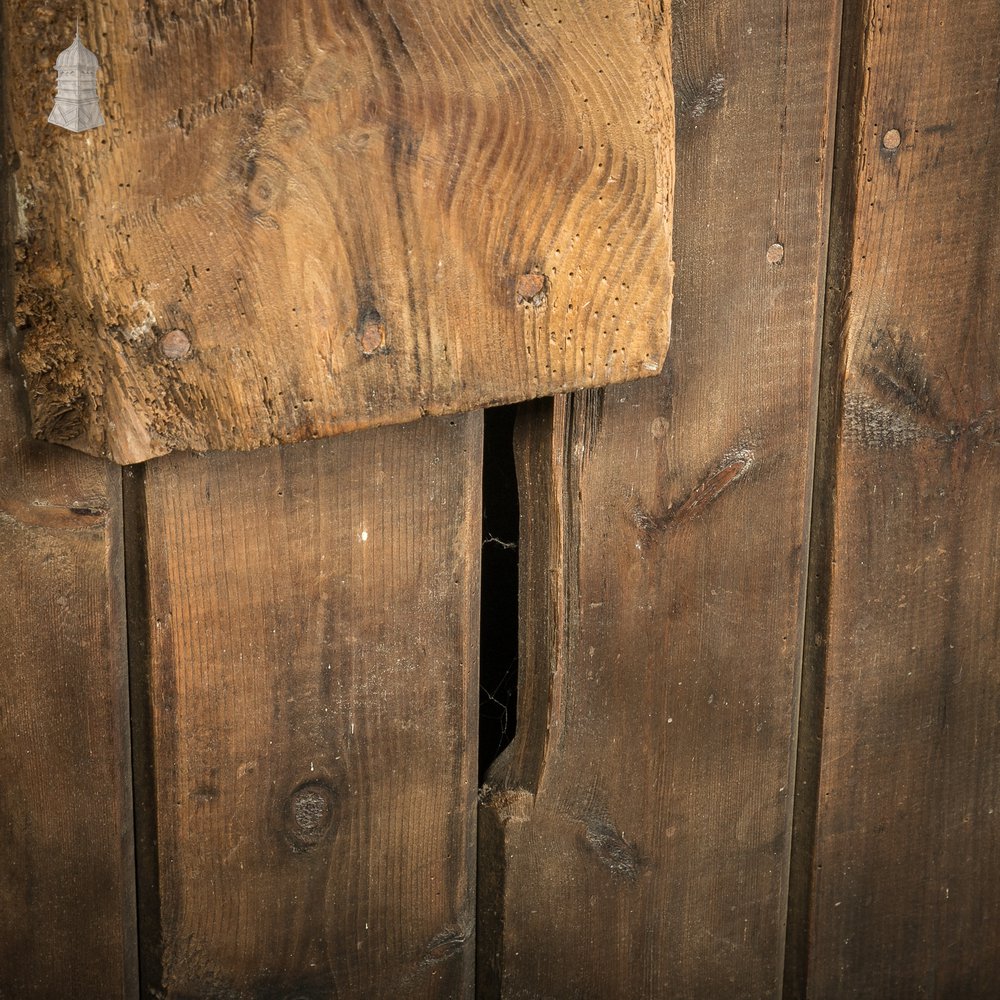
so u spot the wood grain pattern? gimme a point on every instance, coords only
(67, 900)
(905, 874)
(309, 654)
(637, 833)
(307, 218)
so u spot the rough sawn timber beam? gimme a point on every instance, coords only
(307, 218)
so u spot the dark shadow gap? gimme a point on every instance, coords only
(147, 863)
(808, 748)
(498, 638)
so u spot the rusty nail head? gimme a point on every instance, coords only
(175, 345)
(531, 289)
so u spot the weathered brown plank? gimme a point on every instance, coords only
(67, 899)
(637, 832)
(307, 217)
(312, 625)
(906, 608)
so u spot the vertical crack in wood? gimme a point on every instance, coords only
(845, 122)
(252, 13)
(147, 863)
(541, 448)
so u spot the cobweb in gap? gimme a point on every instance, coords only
(501, 701)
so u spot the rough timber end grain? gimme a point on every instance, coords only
(303, 219)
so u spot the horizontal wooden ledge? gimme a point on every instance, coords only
(302, 221)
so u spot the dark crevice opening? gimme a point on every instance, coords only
(498, 637)
(845, 123)
(149, 934)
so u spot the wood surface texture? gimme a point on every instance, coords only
(304, 218)
(67, 898)
(635, 838)
(305, 626)
(902, 724)
(303, 622)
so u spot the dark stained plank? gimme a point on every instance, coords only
(636, 835)
(310, 663)
(67, 877)
(304, 218)
(904, 710)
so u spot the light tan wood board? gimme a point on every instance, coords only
(307, 218)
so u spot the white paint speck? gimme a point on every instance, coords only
(364, 535)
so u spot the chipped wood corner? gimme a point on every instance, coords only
(337, 217)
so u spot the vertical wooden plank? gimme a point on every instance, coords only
(311, 616)
(67, 879)
(906, 864)
(637, 832)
